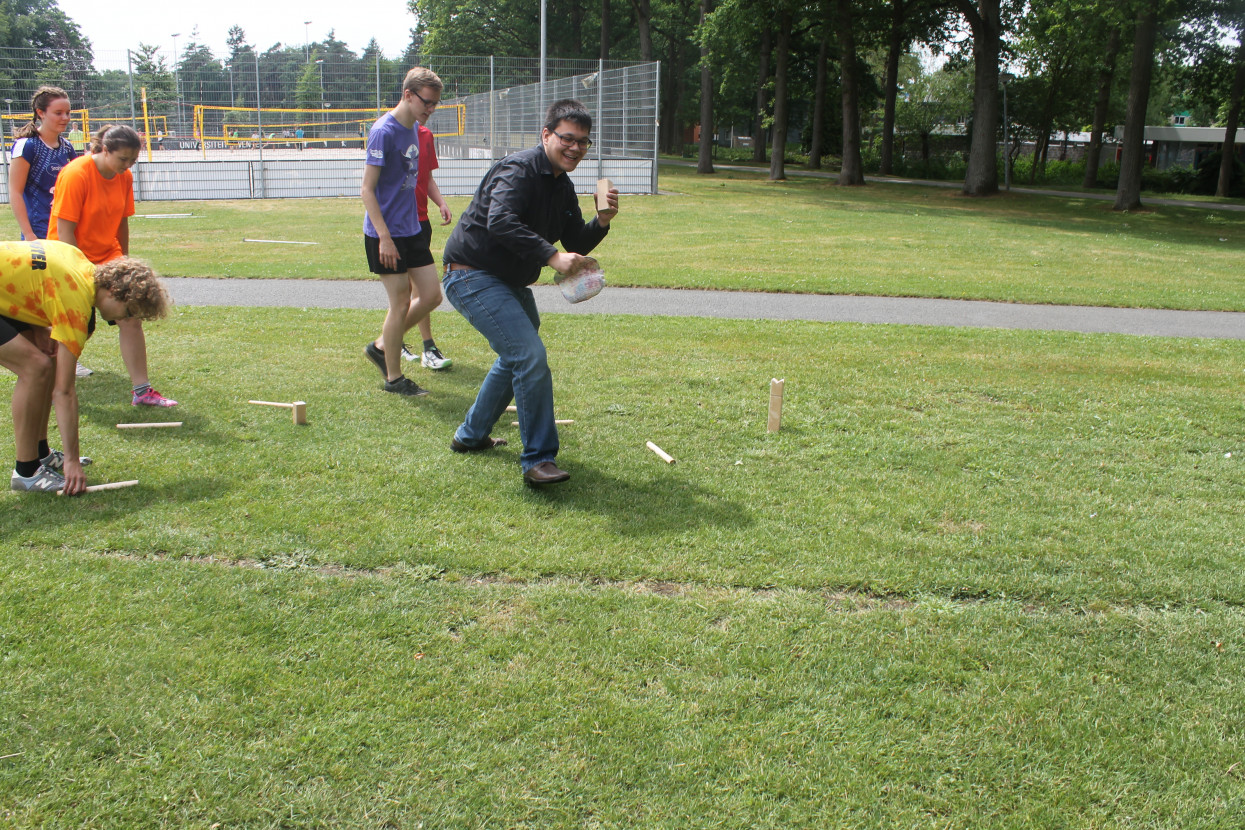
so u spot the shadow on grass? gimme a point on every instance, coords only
(37, 518)
(659, 505)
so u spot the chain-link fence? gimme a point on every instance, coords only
(292, 122)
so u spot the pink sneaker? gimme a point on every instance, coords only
(152, 398)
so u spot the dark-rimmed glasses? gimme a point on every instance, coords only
(571, 141)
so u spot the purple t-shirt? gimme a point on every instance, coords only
(395, 150)
(45, 164)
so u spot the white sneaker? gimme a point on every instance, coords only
(43, 481)
(434, 360)
(82, 372)
(407, 354)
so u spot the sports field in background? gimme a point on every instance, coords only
(978, 579)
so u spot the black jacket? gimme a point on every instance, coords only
(518, 212)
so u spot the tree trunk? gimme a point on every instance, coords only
(819, 101)
(758, 129)
(1132, 159)
(982, 176)
(777, 159)
(605, 30)
(1234, 119)
(705, 162)
(643, 23)
(1106, 76)
(886, 164)
(852, 170)
(672, 103)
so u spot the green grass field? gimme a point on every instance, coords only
(737, 231)
(979, 578)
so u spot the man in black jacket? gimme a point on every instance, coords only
(525, 203)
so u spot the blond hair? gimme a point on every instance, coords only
(421, 77)
(132, 282)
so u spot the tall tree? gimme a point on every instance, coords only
(782, 48)
(985, 18)
(1235, 101)
(852, 172)
(1102, 104)
(705, 161)
(815, 144)
(1132, 158)
(762, 93)
(908, 20)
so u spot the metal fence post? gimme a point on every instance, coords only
(492, 111)
(259, 122)
(656, 125)
(129, 71)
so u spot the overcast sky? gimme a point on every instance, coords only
(112, 28)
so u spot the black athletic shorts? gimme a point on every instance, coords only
(413, 252)
(10, 328)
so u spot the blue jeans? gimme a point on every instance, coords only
(508, 319)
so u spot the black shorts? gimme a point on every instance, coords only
(413, 252)
(10, 328)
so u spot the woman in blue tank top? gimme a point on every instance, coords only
(39, 153)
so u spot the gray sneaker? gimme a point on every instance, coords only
(378, 357)
(405, 386)
(43, 481)
(55, 461)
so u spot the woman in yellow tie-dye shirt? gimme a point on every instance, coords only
(49, 296)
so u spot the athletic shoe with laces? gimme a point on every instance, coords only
(407, 354)
(152, 398)
(434, 360)
(82, 372)
(378, 357)
(405, 386)
(43, 481)
(55, 461)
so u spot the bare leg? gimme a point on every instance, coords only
(133, 349)
(426, 296)
(32, 394)
(398, 287)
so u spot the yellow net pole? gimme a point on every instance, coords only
(146, 124)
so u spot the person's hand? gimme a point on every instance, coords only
(75, 478)
(446, 214)
(604, 216)
(388, 253)
(565, 263)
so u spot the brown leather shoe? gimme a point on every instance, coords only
(546, 472)
(486, 444)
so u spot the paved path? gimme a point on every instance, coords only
(748, 306)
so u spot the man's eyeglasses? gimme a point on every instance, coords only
(571, 141)
(429, 104)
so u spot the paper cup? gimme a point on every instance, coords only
(584, 284)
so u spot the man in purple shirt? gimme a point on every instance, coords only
(391, 226)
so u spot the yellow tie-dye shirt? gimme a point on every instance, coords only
(48, 283)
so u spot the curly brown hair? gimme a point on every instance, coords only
(134, 283)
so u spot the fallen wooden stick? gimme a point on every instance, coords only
(512, 408)
(557, 421)
(662, 454)
(153, 425)
(299, 409)
(114, 485)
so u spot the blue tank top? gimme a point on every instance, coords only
(45, 165)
